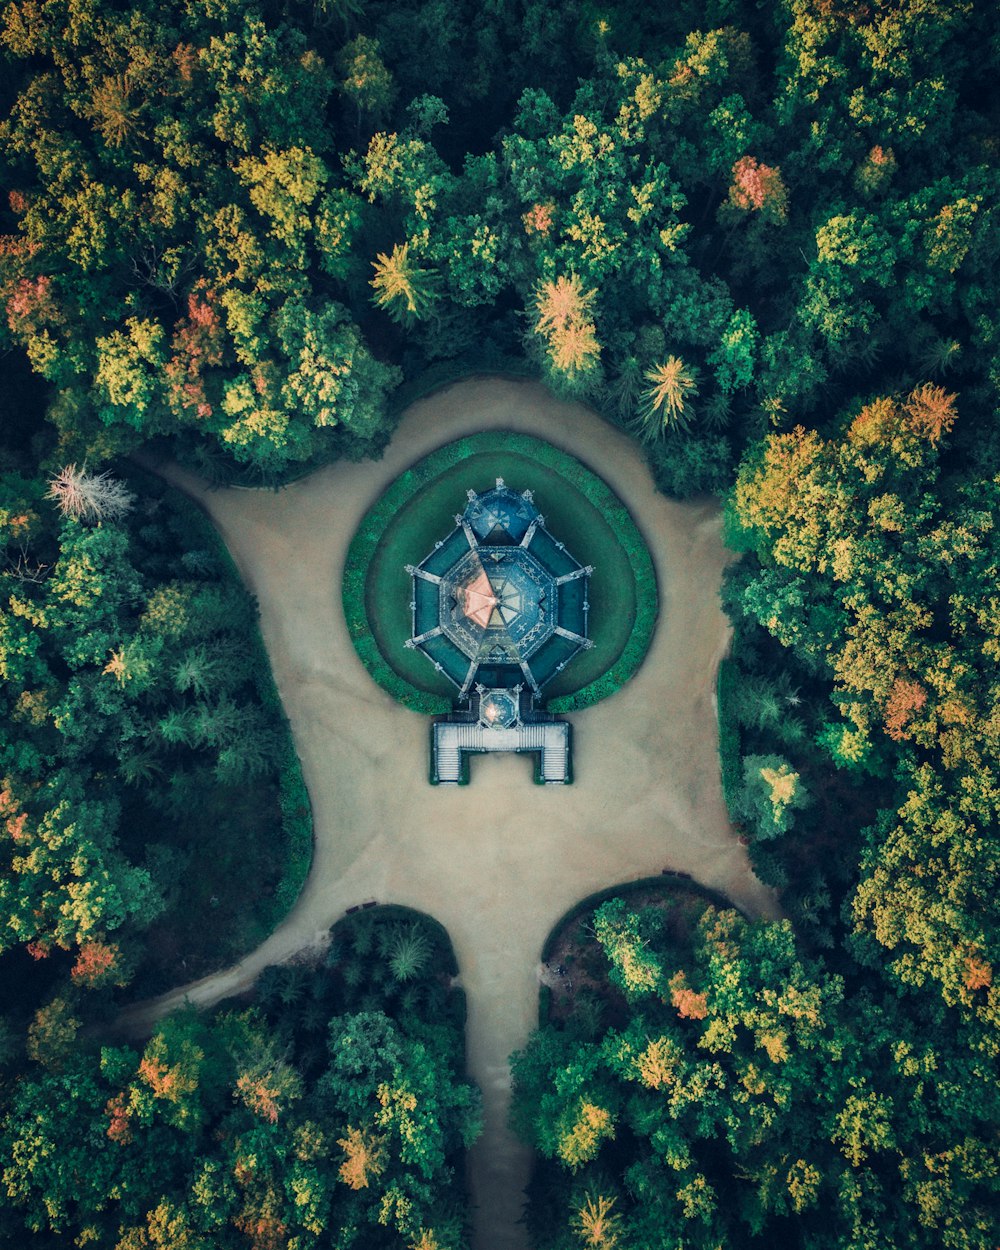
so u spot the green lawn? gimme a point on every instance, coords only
(428, 515)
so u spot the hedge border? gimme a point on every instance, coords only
(293, 797)
(596, 491)
(730, 747)
(401, 911)
(668, 880)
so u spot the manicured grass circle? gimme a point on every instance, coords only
(419, 507)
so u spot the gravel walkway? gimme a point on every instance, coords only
(500, 861)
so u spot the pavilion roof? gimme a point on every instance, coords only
(500, 595)
(478, 600)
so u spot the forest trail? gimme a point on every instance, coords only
(497, 862)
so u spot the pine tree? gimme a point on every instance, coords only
(666, 403)
(403, 289)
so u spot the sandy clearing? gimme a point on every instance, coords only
(498, 862)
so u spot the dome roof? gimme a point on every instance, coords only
(500, 515)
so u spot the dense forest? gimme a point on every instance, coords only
(333, 1108)
(762, 239)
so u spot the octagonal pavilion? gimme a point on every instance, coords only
(499, 602)
(500, 607)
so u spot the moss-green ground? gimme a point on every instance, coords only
(569, 516)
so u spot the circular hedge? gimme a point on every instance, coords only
(417, 509)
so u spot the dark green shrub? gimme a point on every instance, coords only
(296, 810)
(729, 734)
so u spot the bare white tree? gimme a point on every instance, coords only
(90, 496)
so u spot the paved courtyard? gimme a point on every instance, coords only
(647, 792)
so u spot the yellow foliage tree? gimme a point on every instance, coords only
(595, 1225)
(564, 320)
(364, 1157)
(666, 402)
(583, 1133)
(402, 288)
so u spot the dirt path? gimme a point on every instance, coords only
(498, 862)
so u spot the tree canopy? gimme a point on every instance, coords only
(729, 1088)
(294, 1121)
(761, 239)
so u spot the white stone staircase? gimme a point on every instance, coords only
(550, 739)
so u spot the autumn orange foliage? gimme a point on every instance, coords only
(97, 964)
(565, 320)
(31, 305)
(197, 344)
(159, 1076)
(690, 1005)
(185, 57)
(758, 188)
(906, 698)
(263, 1232)
(15, 826)
(119, 1124)
(926, 414)
(978, 974)
(259, 1096)
(931, 411)
(364, 1157)
(538, 218)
